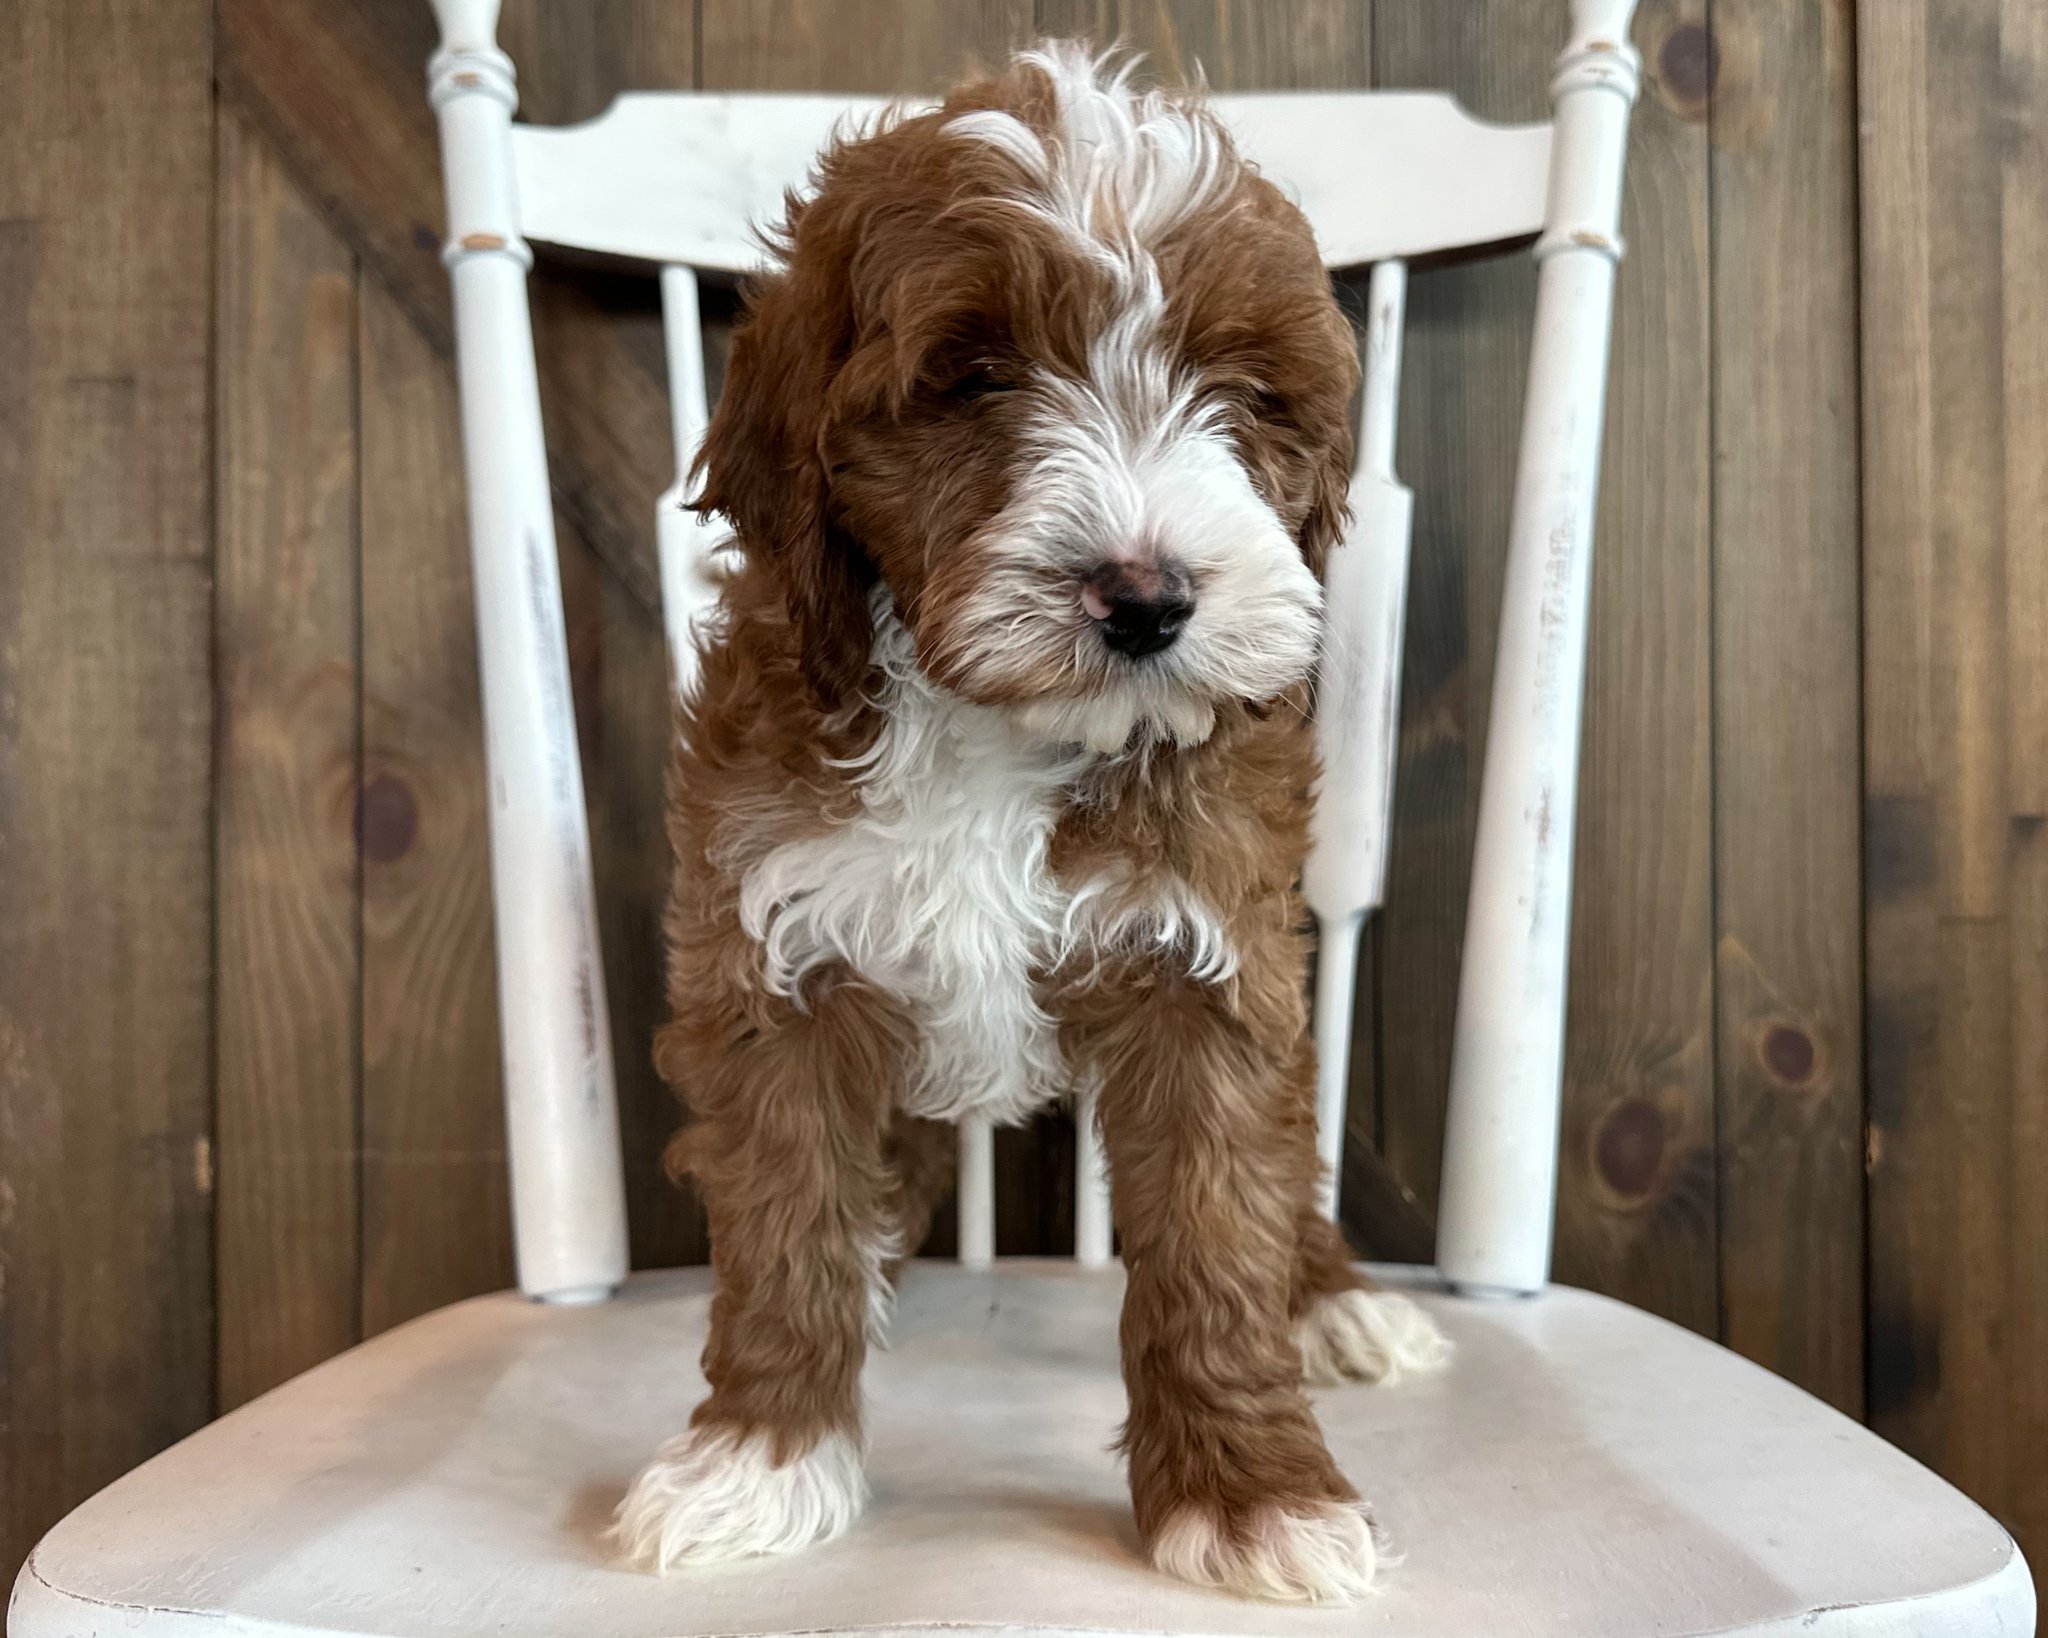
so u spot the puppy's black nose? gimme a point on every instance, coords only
(1139, 608)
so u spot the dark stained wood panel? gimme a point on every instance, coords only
(2023, 275)
(1955, 387)
(1637, 1210)
(106, 752)
(1280, 45)
(573, 59)
(1466, 358)
(435, 1203)
(856, 45)
(287, 903)
(340, 88)
(1787, 696)
(625, 773)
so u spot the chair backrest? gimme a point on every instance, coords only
(682, 182)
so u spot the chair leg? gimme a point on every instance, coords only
(922, 1153)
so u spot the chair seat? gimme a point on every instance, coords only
(1580, 1469)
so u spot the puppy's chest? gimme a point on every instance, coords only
(940, 890)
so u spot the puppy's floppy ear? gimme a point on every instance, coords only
(1329, 505)
(763, 463)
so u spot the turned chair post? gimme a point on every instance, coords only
(561, 1117)
(1499, 1192)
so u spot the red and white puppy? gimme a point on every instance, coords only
(997, 783)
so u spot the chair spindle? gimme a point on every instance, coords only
(977, 1192)
(1358, 701)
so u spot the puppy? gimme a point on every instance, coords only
(997, 784)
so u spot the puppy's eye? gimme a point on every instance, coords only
(983, 381)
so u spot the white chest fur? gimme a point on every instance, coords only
(938, 890)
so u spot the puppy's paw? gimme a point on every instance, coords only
(712, 1494)
(1367, 1336)
(1308, 1553)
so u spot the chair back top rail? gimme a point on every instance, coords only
(690, 178)
(686, 181)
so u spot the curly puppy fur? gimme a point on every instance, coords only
(997, 781)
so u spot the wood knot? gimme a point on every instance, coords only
(1688, 65)
(387, 819)
(1628, 1148)
(1789, 1054)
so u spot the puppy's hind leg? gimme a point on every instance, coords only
(1347, 1328)
(788, 1150)
(924, 1155)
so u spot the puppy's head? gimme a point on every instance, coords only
(1066, 374)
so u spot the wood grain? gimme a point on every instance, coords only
(340, 88)
(1955, 386)
(1787, 696)
(626, 766)
(1466, 359)
(285, 630)
(1637, 1213)
(1279, 45)
(856, 45)
(435, 1209)
(106, 757)
(2023, 276)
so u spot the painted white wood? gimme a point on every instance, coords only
(1358, 710)
(1336, 992)
(690, 177)
(467, 25)
(1500, 1149)
(1579, 1470)
(568, 1192)
(975, 1191)
(1093, 1241)
(687, 545)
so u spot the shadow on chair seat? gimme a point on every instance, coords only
(1581, 1469)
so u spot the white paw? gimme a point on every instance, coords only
(1325, 1555)
(1368, 1336)
(711, 1495)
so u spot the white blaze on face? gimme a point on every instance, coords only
(1126, 464)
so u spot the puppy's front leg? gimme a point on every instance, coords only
(788, 1151)
(1208, 1120)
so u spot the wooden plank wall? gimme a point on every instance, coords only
(248, 1079)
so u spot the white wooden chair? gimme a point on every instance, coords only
(1581, 1469)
